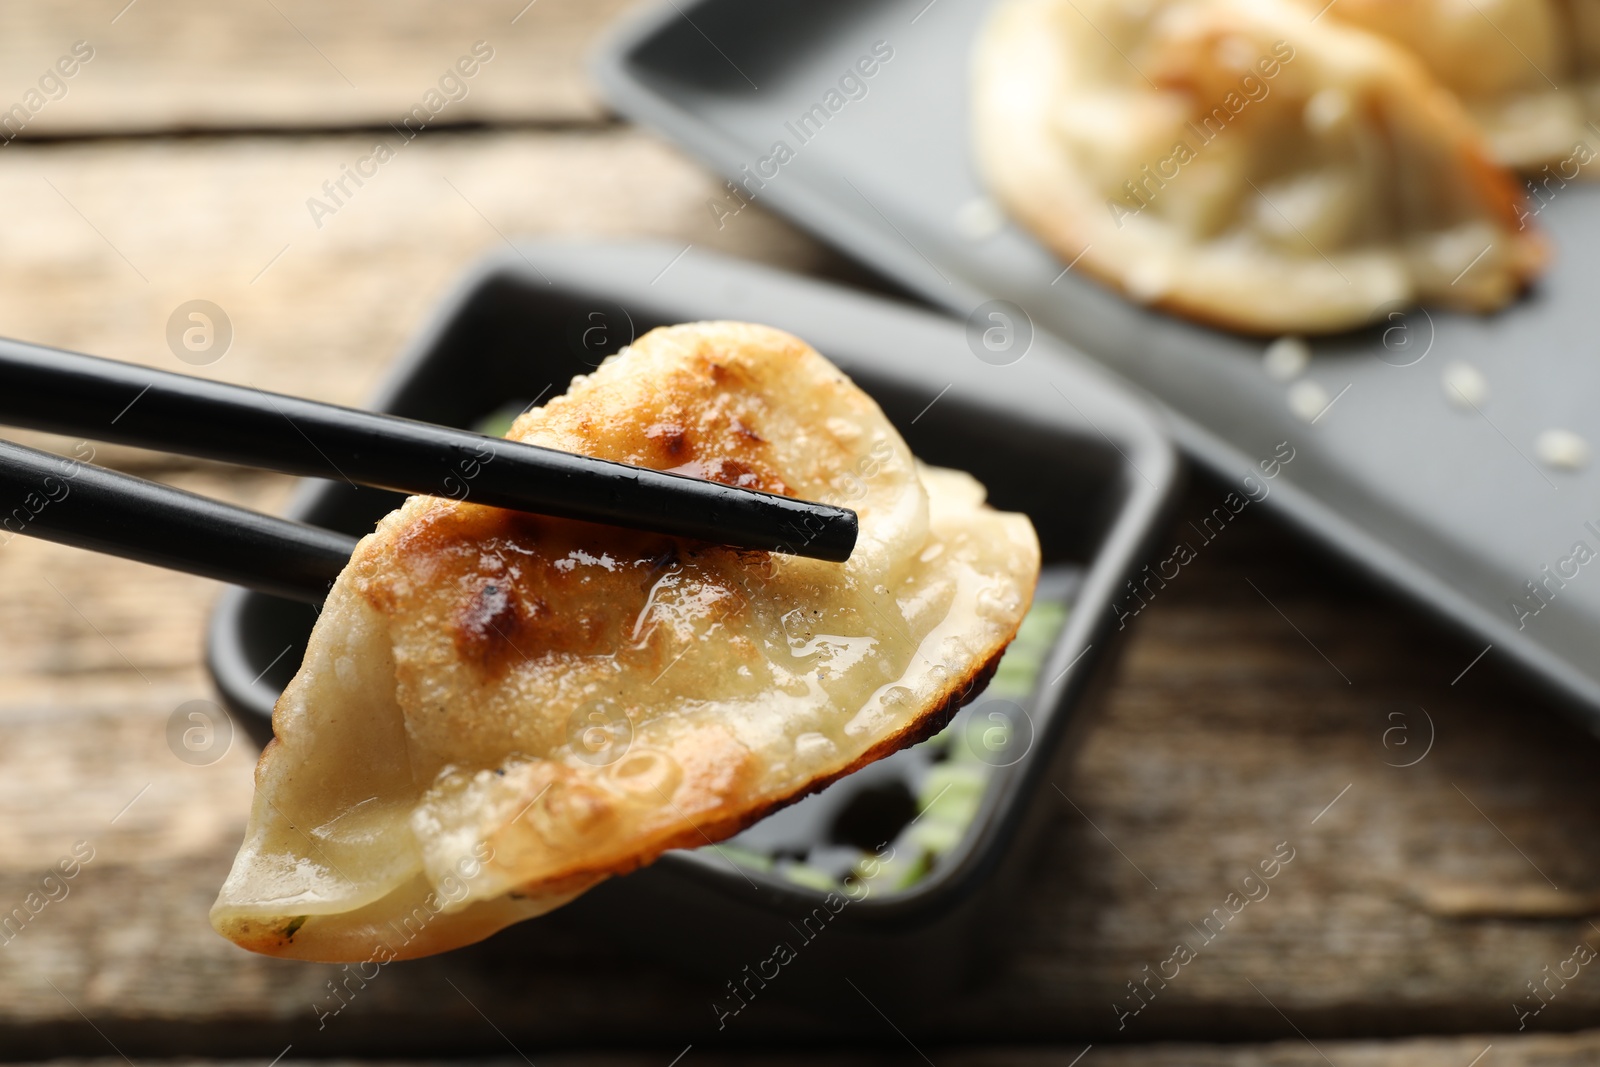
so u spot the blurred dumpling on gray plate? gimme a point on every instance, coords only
(1527, 70)
(1240, 163)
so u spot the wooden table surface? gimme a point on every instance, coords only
(1266, 696)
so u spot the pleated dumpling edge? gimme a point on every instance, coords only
(496, 710)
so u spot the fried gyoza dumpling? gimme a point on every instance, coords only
(1527, 70)
(498, 710)
(1235, 161)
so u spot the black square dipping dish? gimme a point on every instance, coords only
(892, 871)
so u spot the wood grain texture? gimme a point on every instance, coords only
(1228, 734)
(107, 240)
(183, 65)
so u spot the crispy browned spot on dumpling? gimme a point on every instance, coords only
(1244, 164)
(498, 710)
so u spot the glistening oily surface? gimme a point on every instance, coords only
(498, 710)
(1241, 163)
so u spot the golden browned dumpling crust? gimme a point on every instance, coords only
(1238, 162)
(498, 710)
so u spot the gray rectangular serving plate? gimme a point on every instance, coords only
(1097, 480)
(1449, 505)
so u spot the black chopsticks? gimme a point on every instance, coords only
(75, 503)
(68, 393)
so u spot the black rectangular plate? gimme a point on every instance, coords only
(1095, 478)
(1450, 505)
